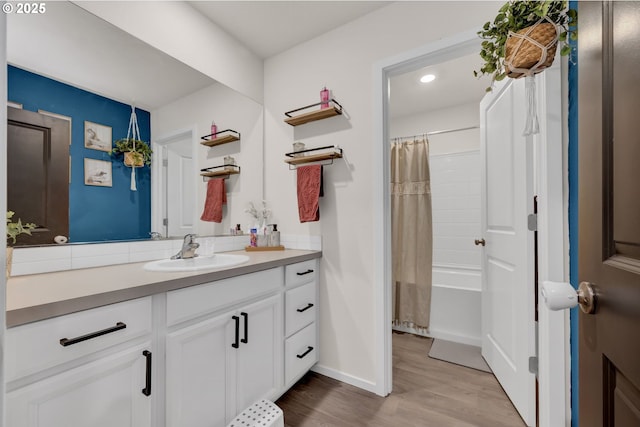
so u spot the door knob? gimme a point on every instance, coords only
(480, 242)
(561, 295)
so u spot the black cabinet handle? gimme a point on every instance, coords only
(246, 328)
(70, 341)
(305, 272)
(236, 344)
(302, 310)
(147, 387)
(309, 350)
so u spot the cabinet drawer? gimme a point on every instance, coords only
(189, 303)
(37, 346)
(302, 272)
(300, 306)
(300, 354)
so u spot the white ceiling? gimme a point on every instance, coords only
(270, 27)
(73, 46)
(454, 85)
(69, 44)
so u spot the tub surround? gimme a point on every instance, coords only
(41, 296)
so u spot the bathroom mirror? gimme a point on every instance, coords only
(72, 46)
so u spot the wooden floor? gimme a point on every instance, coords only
(426, 393)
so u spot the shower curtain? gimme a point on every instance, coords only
(411, 233)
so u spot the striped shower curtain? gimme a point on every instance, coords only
(412, 234)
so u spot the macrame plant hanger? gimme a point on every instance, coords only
(532, 126)
(134, 132)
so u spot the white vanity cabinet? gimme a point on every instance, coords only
(301, 325)
(91, 368)
(192, 356)
(223, 348)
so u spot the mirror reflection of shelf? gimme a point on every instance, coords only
(222, 171)
(222, 137)
(323, 155)
(333, 109)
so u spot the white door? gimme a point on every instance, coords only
(180, 196)
(508, 296)
(260, 360)
(104, 393)
(197, 374)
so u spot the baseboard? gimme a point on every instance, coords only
(345, 378)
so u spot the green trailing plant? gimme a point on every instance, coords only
(16, 228)
(142, 151)
(514, 16)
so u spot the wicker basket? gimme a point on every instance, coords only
(133, 159)
(527, 55)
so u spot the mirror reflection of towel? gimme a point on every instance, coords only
(309, 190)
(216, 197)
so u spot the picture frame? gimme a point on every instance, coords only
(98, 172)
(97, 136)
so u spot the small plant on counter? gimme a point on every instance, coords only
(141, 151)
(16, 228)
(261, 216)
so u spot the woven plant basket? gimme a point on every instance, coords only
(132, 159)
(522, 55)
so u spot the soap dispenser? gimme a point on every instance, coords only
(274, 236)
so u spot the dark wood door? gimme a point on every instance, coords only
(609, 212)
(38, 173)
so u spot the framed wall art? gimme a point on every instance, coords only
(98, 172)
(97, 136)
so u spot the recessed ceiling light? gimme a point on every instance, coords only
(427, 78)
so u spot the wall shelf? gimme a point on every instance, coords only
(223, 137)
(333, 110)
(298, 158)
(223, 171)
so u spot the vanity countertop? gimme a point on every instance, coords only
(42, 296)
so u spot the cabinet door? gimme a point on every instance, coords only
(259, 359)
(103, 393)
(198, 385)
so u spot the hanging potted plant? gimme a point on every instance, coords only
(13, 230)
(136, 153)
(522, 41)
(523, 38)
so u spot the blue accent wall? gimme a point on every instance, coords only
(95, 213)
(573, 220)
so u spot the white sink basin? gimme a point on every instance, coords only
(206, 262)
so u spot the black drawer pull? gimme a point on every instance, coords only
(302, 310)
(70, 341)
(309, 350)
(305, 272)
(246, 328)
(236, 344)
(147, 387)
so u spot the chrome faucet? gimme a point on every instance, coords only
(189, 247)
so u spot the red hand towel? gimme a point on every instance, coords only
(309, 188)
(216, 197)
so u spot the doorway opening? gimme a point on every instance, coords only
(173, 209)
(552, 329)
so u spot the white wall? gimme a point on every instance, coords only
(343, 59)
(230, 110)
(458, 117)
(184, 33)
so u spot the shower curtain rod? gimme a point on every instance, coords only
(437, 132)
